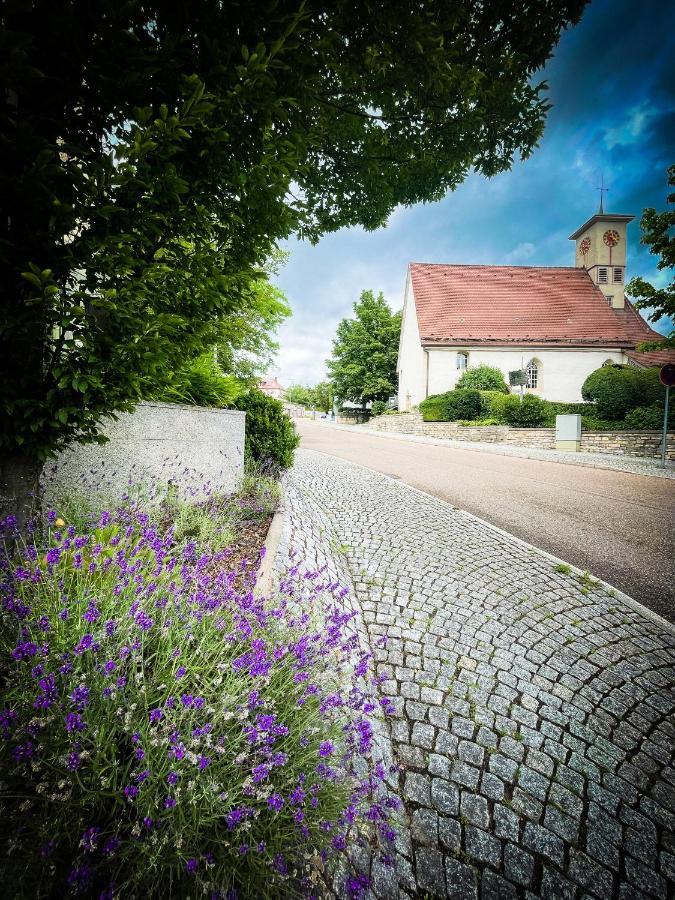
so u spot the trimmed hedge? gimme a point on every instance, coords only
(451, 406)
(483, 378)
(529, 413)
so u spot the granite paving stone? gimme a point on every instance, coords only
(534, 710)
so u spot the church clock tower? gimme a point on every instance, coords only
(601, 250)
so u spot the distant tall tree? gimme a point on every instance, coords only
(658, 233)
(152, 153)
(318, 397)
(298, 393)
(365, 350)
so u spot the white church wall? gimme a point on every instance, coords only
(561, 374)
(411, 357)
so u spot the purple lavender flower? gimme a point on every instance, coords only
(173, 778)
(169, 802)
(7, 718)
(53, 556)
(90, 838)
(24, 650)
(143, 621)
(80, 696)
(73, 761)
(91, 614)
(85, 643)
(75, 722)
(155, 715)
(180, 671)
(326, 748)
(191, 865)
(275, 802)
(79, 878)
(111, 846)
(131, 791)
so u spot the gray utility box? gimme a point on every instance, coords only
(568, 432)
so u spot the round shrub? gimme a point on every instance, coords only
(379, 407)
(483, 378)
(166, 731)
(271, 437)
(616, 390)
(451, 406)
(492, 404)
(533, 411)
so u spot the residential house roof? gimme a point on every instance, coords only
(269, 384)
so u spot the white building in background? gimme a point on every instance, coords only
(557, 323)
(270, 386)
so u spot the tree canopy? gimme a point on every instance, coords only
(365, 351)
(153, 153)
(658, 233)
(318, 397)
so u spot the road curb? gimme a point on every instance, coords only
(635, 605)
(265, 580)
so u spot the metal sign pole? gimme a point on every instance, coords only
(665, 429)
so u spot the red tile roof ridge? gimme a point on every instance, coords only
(492, 266)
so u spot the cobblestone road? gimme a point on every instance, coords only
(534, 723)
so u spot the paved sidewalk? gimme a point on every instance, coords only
(534, 707)
(637, 465)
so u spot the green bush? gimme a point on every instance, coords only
(616, 390)
(271, 438)
(529, 413)
(201, 383)
(492, 404)
(649, 417)
(452, 406)
(571, 409)
(379, 407)
(483, 378)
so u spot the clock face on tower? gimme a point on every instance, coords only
(611, 237)
(585, 246)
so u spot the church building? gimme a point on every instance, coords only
(559, 324)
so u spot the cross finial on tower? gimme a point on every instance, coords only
(603, 190)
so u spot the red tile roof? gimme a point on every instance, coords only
(269, 384)
(515, 305)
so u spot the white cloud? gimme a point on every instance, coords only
(520, 253)
(631, 128)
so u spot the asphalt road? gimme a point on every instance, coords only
(616, 525)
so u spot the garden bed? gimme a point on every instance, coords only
(164, 728)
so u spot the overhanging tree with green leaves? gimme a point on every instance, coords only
(365, 351)
(152, 154)
(658, 233)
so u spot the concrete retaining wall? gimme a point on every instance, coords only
(159, 442)
(621, 443)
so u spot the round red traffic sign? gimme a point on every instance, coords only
(667, 375)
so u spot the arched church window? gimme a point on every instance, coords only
(462, 361)
(532, 373)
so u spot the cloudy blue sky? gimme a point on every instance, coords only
(612, 83)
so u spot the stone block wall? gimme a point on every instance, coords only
(189, 445)
(622, 443)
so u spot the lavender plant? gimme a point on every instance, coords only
(165, 730)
